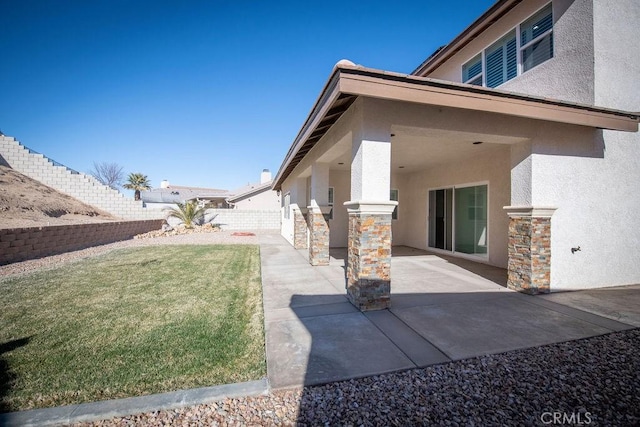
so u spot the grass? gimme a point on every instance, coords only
(131, 322)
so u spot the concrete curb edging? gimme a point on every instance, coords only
(95, 411)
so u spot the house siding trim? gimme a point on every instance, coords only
(356, 81)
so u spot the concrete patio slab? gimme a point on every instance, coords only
(620, 303)
(468, 329)
(321, 349)
(442, 308)
(420, 351)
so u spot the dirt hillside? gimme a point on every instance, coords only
(25, 202)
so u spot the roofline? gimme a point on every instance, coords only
(494, 13)
(354, 81)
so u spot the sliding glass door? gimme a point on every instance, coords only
(458, 219)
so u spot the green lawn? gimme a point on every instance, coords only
(131, 322)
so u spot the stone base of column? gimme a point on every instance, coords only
(318, 220)
(300, 228)
(369, 255)
(529, 266)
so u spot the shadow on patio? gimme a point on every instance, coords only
(442, 309)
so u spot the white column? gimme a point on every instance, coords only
(318, 215)
(299, 208)
(371, 162)
(369, 244)
(319, 185)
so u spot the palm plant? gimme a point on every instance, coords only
(137, 182)
(187, 212)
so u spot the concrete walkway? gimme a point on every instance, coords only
(442, 309)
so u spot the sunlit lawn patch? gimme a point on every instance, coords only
(131, 322)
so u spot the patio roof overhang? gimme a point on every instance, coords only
(348, 82)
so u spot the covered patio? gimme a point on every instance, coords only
(387, 159)
(442, 308)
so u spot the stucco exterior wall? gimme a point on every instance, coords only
(567, 76)
(286, 224)
(492, 167)
(617, 54)
(339, 225)
(592, 176)
(266, 200)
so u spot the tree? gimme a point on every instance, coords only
(187, 212)
(137, 182)
(110, 174)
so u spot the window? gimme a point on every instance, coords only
(521, 49)
(330, 198)
(393, 195)
(472, 71)
(287, 205)
(536, 41)
(501, 60)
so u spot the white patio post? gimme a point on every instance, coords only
(299, 208)
(369, 245)
(529, 264)
(318, 215)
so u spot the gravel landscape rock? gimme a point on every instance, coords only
(593, 381)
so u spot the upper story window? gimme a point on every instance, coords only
(521, 49)
(536, 39)
(472, 71)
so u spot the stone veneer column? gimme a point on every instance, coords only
(318, 218)
(299, 228)
(369, 255)
(529, 265)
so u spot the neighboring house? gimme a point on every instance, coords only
(168, 195)
(257, 196)
(515, 145)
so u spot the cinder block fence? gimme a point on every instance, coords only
(234, 219)
(78, 185)
(19, 244)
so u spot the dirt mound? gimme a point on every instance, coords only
(25, 202)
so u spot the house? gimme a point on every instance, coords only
(168, 195)
(257, 196)
(515, 145)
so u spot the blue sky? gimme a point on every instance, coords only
(201, 93)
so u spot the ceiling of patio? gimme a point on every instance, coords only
(415, 149)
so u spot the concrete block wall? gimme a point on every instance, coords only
(233, 219)
(19, 244)
(78, 185)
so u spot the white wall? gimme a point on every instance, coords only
(232, 219)
(297, 189)
(491, 166)
(266, 200)
(597, 196)
(597, 203)
(567, 76)
(339, 225)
